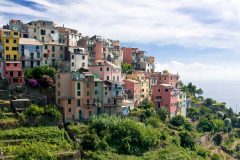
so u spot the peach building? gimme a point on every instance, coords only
(133, 90)
(74, 95)
(165, 95)
(144, 81)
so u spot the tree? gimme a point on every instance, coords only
(165, 71)
(205, 125)
(218, 125)
(193, 113)
(34, 111)
(127, 68)
(187, 140)
(163, 114)
(178, 120)
(209, 102)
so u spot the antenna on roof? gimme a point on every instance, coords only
(63, 25)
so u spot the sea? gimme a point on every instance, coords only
(222, 91)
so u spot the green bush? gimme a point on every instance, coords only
(202, 152)
(154, 122)
(215, 157)
(187, 140)
(217, 139)
(205, 125)
(34, 152)
(178, 121)
(125, 135)
(163, 114)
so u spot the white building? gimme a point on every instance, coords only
(79, 58)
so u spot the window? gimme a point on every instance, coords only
(69, 110)
(166, 90)
(58, 84)
(14, 41)
(7, 48)
(100, 68)
(165, 78)
(83, 64)
(45, 62)
(72, 64)
(96, 84)
(53, 48)
(142, 90)
(38, 54)
(7, 64)
(96, 92)
(11, 73)
(43, 32)
(88, 102)
(45, 55)
(78, 102)
(15, 64)
(107, 69)
(8, 57)
(83, 57)
(78, 86)
(113, 78)
(52, 32)
(58, 93)
(87, 84)
(159, 90)
(35, 37)
(14, 48)
(88, 93)
(107, 77)
(105, 93)
(79, 93)
(69, 101)
(35, 30)
(7, 40)
(15, 57)
(72, 56)
(15, 33)
(53, 55)
(42, 39)
(46, 47)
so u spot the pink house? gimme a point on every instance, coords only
(165, 95)
(169, 78)
(106, 71)
(133, 90)
(14, 72)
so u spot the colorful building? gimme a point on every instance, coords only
(74, 95)
(12, 65)
(106, 71)
(165, 95)
(133, 90)
(31, 52)
(141, 77)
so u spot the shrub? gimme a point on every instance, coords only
(178, 120)
(186, 140)
(217, 139)
(90, 142)
(163, 114)
(205, 125)
(34, 152)
(202, 152)
(154, 122)
(215, 157)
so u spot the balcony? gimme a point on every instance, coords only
(158, 99)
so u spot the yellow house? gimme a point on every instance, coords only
(10, 42)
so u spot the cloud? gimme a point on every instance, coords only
(200, 72)
(201, 23)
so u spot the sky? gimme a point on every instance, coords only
(199, 39)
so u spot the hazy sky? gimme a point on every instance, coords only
(199, 39)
